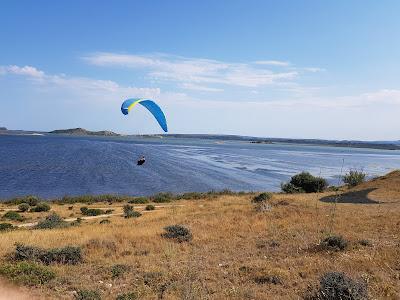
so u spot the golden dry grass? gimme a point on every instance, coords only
(232, 246)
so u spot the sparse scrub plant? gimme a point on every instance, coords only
(41, 207)
(66, 255)
(139, 200)
(6, 227)
(354, 178)
(13, 216)
(91, 211)
(27, 273)
(105, 221)
(334, 242)
(177, 232)
(52, 221)
(162, 197)
(130, 213)
(23, 207)
(263, 197)
(338, 286)
(150, 207)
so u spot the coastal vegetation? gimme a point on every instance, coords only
(212, 245)
(304, 183)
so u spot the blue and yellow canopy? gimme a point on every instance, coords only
(150, 105)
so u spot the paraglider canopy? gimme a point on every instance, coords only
(151, 106)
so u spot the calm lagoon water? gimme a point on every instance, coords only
(54, 166)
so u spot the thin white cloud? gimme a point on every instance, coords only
(273, 63)
(78, 85)
(195, 87)
(26, 70)
(197, 71)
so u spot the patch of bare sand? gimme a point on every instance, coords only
(9, 292)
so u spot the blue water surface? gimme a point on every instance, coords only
(54, 166)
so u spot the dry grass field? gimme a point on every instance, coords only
(236, 252)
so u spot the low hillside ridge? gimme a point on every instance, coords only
(82, 131)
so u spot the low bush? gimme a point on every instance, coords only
(150, 207)
(263, 197)
(66, 255)
(289, 188)
(118, 270)
(87, 295)
(13, 216)
(178, 233)
(304, 182)
(43, 206)
(105, 221)
(109, 211)
(354, 178)
(128, 296)
(51, 221)
(6, 226)
(92, 211)
(132, 214)
(31, 200)
(139, 200)
(334, 242)
(23, 207)
(162, 198)
(337, 286)
(27, 273)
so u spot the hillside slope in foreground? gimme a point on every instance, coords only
(236, 252)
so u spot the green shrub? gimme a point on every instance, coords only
(43, 206)
(6, 226)
(52, 221)
(336, 285)
(132, 214)
(32, 200)
(139, 200)
(289, 188)
(23, 207)
(66, 255)
(162, 197)
(305, 182)
(118, 270)
(334, 242)
(263, 197)
(354, 178)
(87, 295)
(92, 211)
(178, 233)
(128, 296)
(127, 209)
(150, 207)
(13, 216)
(27, 273)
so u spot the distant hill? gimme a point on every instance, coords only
(81, 131)
(3, 128)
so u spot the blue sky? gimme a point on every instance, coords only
(302, 69)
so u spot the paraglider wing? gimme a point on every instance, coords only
(151, 107)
